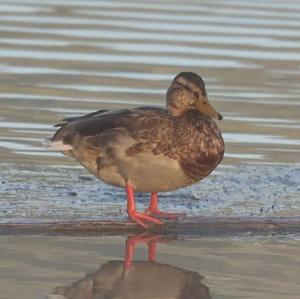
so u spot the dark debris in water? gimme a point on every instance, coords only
(72, 193)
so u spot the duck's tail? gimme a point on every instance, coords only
(57, 145)
(59, 142)
(62, 139)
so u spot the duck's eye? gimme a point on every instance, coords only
(204, 103)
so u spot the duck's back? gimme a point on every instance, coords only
(102, 120)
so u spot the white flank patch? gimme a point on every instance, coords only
(58, 146)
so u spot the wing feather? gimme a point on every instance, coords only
(140, 123)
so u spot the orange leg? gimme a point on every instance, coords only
(140, 218)
(154, 211)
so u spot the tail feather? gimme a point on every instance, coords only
(62, 139)
(58, 145)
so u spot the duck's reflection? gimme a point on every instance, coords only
(130, 279)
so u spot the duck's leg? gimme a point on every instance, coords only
(153, 209)
(140, 218)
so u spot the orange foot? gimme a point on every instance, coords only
(154, 211)
(140, 218)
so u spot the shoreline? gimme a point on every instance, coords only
(190, 226)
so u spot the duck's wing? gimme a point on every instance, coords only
(145, 126)
(73, 118)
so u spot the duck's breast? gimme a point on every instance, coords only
(200, 146)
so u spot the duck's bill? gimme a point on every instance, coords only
(205, 108)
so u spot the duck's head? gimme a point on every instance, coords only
(187, 92)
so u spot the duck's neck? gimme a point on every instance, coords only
(175, 111)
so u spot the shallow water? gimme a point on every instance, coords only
(81, 268)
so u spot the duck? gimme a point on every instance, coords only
(131, 279)
(148, 149)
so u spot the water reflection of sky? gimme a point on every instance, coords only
(125, 58)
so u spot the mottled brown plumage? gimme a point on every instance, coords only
(152, 149)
